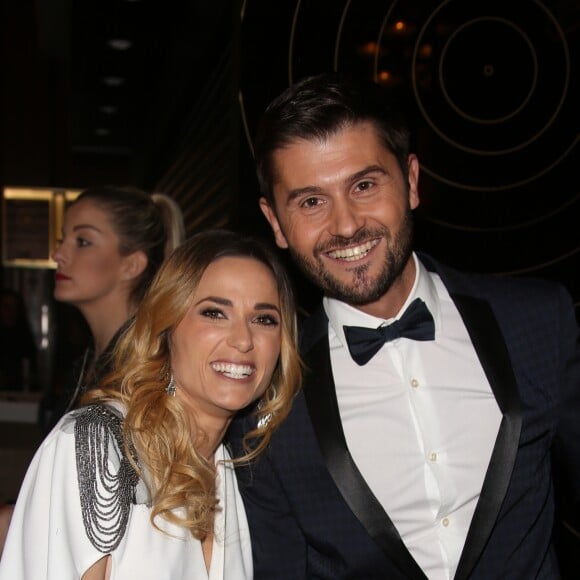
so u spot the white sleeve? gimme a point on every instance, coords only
(47, 538)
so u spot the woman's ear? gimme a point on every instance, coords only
(134, 265)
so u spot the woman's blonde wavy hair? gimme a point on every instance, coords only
(157, 426)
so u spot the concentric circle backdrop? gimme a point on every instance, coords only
(493, 88)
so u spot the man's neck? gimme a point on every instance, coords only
(391, 302)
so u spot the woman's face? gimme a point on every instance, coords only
(89, 266)
(225, 350)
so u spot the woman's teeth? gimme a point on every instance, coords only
(233, 371)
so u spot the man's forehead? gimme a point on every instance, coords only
(322, 136)
(357, 143)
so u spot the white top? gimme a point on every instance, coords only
(47, 538)
(420, 421)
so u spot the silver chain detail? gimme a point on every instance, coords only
(106, 496)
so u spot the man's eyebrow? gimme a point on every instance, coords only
(364, 172)
(314, 190)
(302, 191)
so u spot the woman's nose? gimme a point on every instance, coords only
(58, 255)
(240, 337)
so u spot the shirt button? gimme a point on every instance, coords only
(445, 522)
(414, 383)
(433, 456)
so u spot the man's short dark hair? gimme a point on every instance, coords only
(319, 106)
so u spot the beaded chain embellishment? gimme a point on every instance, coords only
(106, 496)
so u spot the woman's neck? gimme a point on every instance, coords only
(104, 323)
(209, 439)
(208, 427)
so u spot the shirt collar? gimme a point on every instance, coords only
(341, 314)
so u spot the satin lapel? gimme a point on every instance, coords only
(320, 394)
(490, 346)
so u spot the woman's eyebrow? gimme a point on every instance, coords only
(266, 306)
(226, 302)
(86, 226)
(216, 299)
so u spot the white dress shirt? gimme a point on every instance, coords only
(420, 421)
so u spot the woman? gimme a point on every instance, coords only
(137, 484)
(113, 242)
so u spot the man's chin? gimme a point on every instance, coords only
(353, 293)
(348, 282)
(354, 297)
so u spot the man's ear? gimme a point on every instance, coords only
(270, 214)
(134, 265)
(413, 170)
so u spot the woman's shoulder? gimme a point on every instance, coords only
(98, 439)
(104, 415)
(107, 479)
(98, 429)
(99, 416)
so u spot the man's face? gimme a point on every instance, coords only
(343, 208)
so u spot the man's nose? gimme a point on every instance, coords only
(346, 219)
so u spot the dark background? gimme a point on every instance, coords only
(493, 87)
(165, 94)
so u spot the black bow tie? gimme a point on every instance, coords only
(416, 323)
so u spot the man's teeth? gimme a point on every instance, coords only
(233, 371)
(352, 254)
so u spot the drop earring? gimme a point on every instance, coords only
(170, 388)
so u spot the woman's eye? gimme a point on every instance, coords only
(213, 313)
(82, 242)
(267, 320)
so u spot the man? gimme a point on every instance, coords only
(421, 449)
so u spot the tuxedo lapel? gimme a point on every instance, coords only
(490, 346)
(488, 341)
(320, 394)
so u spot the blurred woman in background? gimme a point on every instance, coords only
(113, 242)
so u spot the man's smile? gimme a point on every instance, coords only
(353, 253)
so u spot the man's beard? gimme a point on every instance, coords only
(361, 290)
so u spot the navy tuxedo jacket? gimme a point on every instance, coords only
(311, 513)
